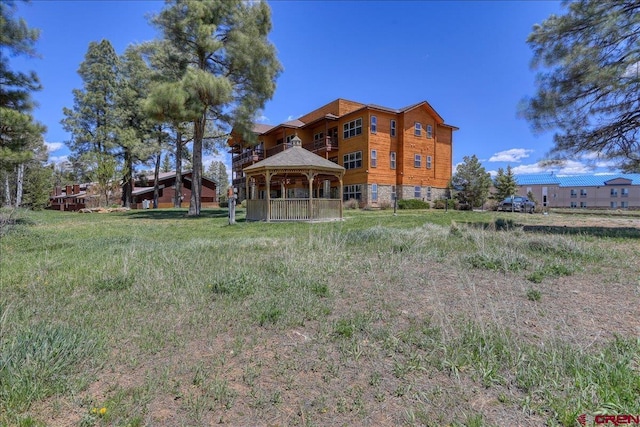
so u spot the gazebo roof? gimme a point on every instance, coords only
(295, 157)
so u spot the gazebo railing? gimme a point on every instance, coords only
(293, 209)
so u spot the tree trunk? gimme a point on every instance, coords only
(156, 176)
(127, 184)
(196, 172)
(7, 191)
(19, 182)
(177, 201)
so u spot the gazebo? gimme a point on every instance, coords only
(294, 185)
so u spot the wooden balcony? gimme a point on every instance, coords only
(294, 210)
(323, 145)
(248, 157)
(277, 149)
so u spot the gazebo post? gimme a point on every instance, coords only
(341, 196)
(310, 176)
(268, 179)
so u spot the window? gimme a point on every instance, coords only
(352, 160)
(352, 128)
(429, 131)
(374, 192)
(289, 138)
(374, 124)
(417, 160)
(374, 158)
(574, 204)
(614, 192)
(624, 192)
(417, 192)
(583, 192)
(574, 193)
(583, 204)
(614, 205)
(352, 192)
(417, 129)
(392, 160)
(393, 128)
(624, 204)
(428, 162)
(393, 192)
(428, 193)
(318, 136)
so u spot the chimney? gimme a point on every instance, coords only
(58, 190)
(76, 188)
(68, 190)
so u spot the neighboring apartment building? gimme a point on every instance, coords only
(385, 151)
(610, 191)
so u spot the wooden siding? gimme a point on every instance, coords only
(339, 107)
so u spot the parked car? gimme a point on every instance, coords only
(517, 204)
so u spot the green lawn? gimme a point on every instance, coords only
(423, 318)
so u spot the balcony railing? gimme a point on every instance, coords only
(325, 144)
(278, 148)
(293, 209)
(247, 157)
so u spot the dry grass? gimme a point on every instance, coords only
(380, 320)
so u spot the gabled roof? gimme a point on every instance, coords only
(295, 157)
(261, 128)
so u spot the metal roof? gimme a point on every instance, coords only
(575, 180)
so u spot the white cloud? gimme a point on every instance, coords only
(56, 160)
(293, 117)
(529, 169)
(53, 146)
(262, 119)
(572, 167)
(512, 155)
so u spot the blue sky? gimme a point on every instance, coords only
(468, 59)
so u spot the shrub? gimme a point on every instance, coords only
(385, 205)
(224, 204)
(351, 204)
(413, 204)
(442, 203)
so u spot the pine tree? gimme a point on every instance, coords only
(217, 171)
(589, 86)
(472, 182)
(231, 66)
(505, 184)
(20, 133)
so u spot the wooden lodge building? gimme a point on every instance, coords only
(142, 193)
(80, 196)
(384, 151)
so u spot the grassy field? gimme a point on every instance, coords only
(148, 318)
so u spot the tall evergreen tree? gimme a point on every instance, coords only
(589, 86)
(20, 134)
(93, 120)
(505, 184)
(472, 182)
(231, 66)
(217, 171)
(135, 130)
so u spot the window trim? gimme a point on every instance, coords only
(352, 163)
(417, 192)
(374, 159)
(374, 192)
(392, 127)
(350, 127)
(429, 161)
(392, 160)
(417, 129)
(374, 124)
(429, 131)
(352, 191)
(417, 160)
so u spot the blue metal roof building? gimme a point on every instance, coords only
(612, 191)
